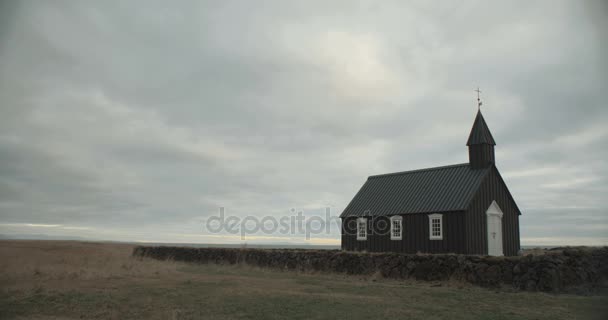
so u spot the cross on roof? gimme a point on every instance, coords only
(478, 99)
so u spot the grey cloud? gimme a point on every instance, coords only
(128, 115)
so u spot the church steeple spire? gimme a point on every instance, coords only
(481, 143)
(480, 133)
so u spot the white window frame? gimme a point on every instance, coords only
(432, 217)
(359, 222)
(398, 219)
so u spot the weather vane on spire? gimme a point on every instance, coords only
(478, 99)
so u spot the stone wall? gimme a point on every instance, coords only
(556, 271)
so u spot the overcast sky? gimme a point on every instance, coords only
(127, 120)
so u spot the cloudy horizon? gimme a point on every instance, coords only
(138, 120)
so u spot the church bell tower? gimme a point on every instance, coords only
(481, 143)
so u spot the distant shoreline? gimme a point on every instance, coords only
(235, 245)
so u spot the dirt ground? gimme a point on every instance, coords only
(76, 280)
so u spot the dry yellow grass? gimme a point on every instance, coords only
(67, 264)
(75, 280)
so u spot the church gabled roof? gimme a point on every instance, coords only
(440, 189)
(480, 133)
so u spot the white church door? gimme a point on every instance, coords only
(494, 218)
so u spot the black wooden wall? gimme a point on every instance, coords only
(492, 188)
(415, 235)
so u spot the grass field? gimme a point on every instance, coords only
(75, 280)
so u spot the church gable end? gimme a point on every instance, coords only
(493, 188)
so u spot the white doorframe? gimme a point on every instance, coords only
(494, 229)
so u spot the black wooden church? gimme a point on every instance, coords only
(463, 208)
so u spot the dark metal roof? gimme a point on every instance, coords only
(439, 189)
(480, 133)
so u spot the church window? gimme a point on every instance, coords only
(396, 228)
(362, 229)
(435, 226)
